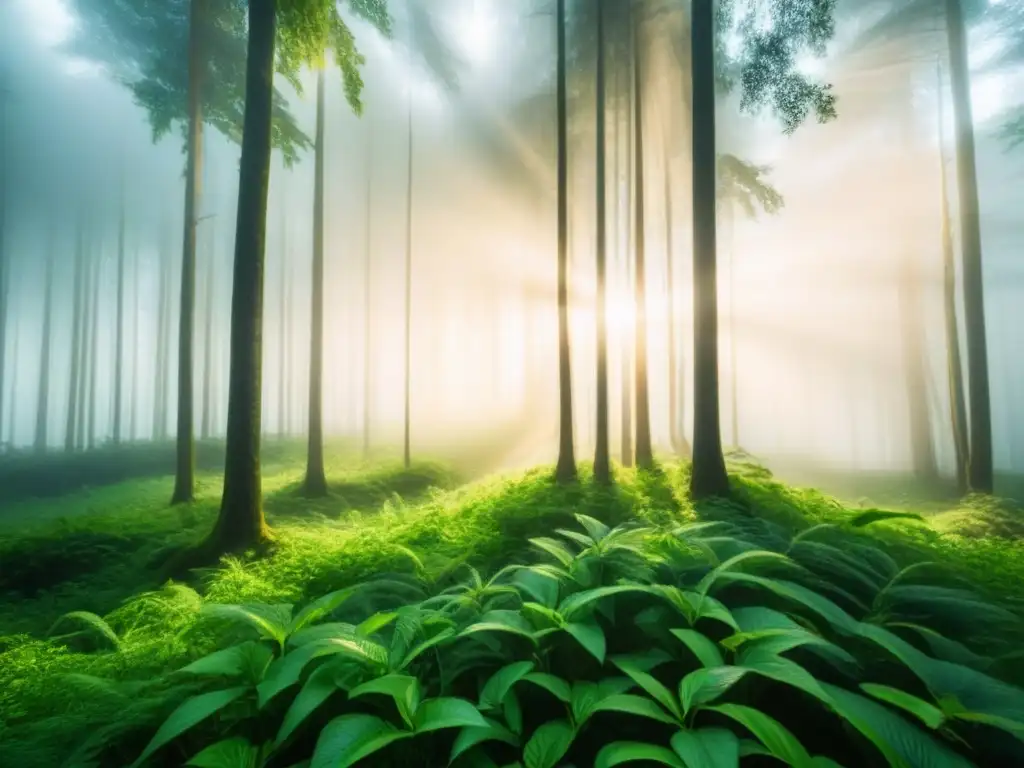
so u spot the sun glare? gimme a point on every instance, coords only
(51, 20)
(477, 32)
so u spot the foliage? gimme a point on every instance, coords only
(745, 183)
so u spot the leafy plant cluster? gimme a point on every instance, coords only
(696, 646)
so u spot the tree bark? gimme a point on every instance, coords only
(980, 470)
(644, 450)
(184, 478)
(315, 484)
(734, 404)
(708, 477)
(407, 397)
(602, 461)
(119, 330)
(83, 350)
(94, 314)
(282, 308)
(205, 421)
(367, 293)
(77, 326)
(240, 524)
(133, 392)
(565, 470)
(43, 398)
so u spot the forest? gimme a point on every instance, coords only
(511, 383)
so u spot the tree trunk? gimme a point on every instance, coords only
(407, 399)
(565, 470)
(708, 477)
(282, 308)
(921, 447)
(367, 293)
(162, 365)
(83, 350)
(954, 367)
(204, 426)
(4, 291)
(980, 470)
(77, 326)
(133, 380)
(94, 314)
(14, 388)
(240, 524)
(184, 478)
(43, 398)
(602, 461)
(676, 393)
(119, 330)
(734, 405)
(289, 362)
(644, 451)
(316, 483)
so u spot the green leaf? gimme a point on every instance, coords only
(634, 705)
(510, 622)
(191, 712)
(501, 682)
(438, 639)
(540, 585)
(702, 647)
(707, 607)
(322, 606)
(376, 622)
(94, 622)
(287, 670)
(707, 684)
(404, 689)
(620, 752)
(582, 539)
(1005, 724)
(654, 688)
(594, 527)
(348, 739)
(246, 659)
(779, 741)
(803, 596)
(927, 713)
(705, 584)
(784, 671)
(471, 736)
(271, 621)
(902, 744)
(878, 515)
(590, 636)
(445, 712)
(574, 603)
(707, 748)
(554, 548)
(513, 712)
(316, 690)
(556, 686)
(548, 745)
(230, 753)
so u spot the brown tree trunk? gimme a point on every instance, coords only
(602, 461)
(980, 470)
(43, 398)
(709, 477)
(240, 524)
(316, 483)
(565, 470)
(204, 423)
(644, 451)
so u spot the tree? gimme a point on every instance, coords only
(565, 470)
(306, 28)
(77, 327)
(43, 398)
(602, 462)
(119, 330)
(644, 451)
(92, 350)
(211, 275)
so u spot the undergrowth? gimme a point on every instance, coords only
(96, 690)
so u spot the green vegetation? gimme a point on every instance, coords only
(405, 617)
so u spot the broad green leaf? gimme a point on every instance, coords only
(903, 744)
(779, 741)
(501, 682)
(404, 689)
(316, 690)
(191, 712)
(230, 753)
(322, 606)
(706, 684)
(590, 636)
(621, 752)
(707, 748)
(446, 712)
(803, 596)
(441, 637)
(654, 688)
(783, 671)
(582, 539)
(513, 712)
(319, 632)
(554, 548)
(574, 603)
(763, 555)
(542, 586)
(927, 713)
(585, 696)
(509, 622)
(271, 621)
(375, 623)
(702, 647)
(548, 744)
(1005, 724)
(471, 736)
(348, 739)
(287, 670)
(93, 621)
(878, 515)
(634, 705)
(556, 686)
(944, 648)
(248, 659)
(594, 527)
(541, 617)
(753, 619)
(707, 607)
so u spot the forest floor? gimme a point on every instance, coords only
(95, 550)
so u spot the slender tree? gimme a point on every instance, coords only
(368, 296)
(95, 285)
(4, 290)
(43, 398)
(282, 320)
(77, 327)
(407, 394)
(133, 376)
(315, 483)
(211, 275)
(119, 329)
(602, 462)
(644, 451)
(565, 470)
(83, 350)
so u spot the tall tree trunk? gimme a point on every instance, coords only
(240, 524)
(676, 400)
(77, 327)
(43, 398)
(162, 365)
(407, 398)
(289, 362)
(204, 426)
(644, 450)
(980, 470)
(954, 367)
(565, 470)
(921, 446)
(83, 350)
(602, 461)
(4, 290)
(11, 425)
(367, 294)
(133, 376)
(119, 330)
(316, 483)
(708, 477)
(282, 308)
(94, 336)
(184, 477)
(734, 405)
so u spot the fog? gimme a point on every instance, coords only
(814, 326)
